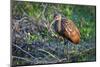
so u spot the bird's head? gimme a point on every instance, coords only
(57, 17)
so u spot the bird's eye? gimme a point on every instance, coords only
(56, 17)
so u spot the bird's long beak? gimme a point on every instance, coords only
(50, 25)
(52, 22)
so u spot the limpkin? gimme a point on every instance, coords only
(66, 28)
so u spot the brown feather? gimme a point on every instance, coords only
(67, 29)
(71, 32)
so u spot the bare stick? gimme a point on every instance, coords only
(49, 54)
(42, 13)
(25, 59)
(23, 50)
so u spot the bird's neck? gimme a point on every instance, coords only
(59, 25)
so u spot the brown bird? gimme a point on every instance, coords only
(66, 28)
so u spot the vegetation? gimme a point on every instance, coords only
(33, 43)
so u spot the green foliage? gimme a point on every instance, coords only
(83, 16)
(30, 38)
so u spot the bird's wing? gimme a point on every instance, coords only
(70, 27)
(73, 26)
(67, 28)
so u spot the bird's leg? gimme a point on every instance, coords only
(66, 49)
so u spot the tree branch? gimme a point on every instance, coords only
(25, 59)
(23, 50)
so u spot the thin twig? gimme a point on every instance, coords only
(25, 59)
(42, 13)
(49, 54)
(23, 50)
(21, 19)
